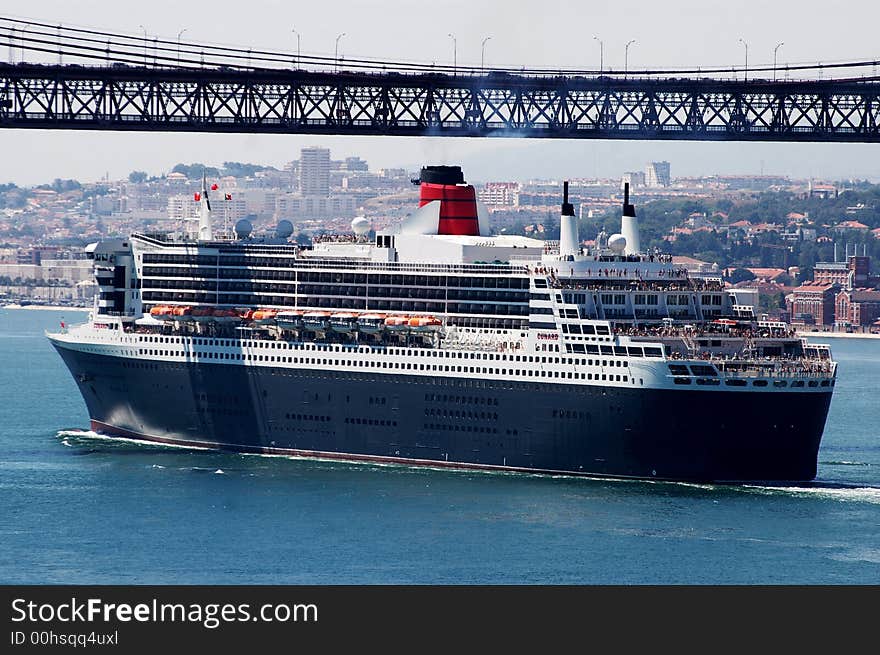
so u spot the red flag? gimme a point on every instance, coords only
(197, 196)
(229, 196)
(62, 324)
(214, 187)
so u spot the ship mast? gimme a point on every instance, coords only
(205, 231)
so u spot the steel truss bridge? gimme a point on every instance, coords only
(425, 104)
(114, 81)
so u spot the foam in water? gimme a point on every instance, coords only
(73, 438)
(841, 493)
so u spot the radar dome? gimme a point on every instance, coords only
(284, 229)
(617, 243)
(243, 228)
(360, 226)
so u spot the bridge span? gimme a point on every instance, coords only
(125, 97)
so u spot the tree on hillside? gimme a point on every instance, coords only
(194, 171)
(238, 169)
(740, 275)
(136, 177)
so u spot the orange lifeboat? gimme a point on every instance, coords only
(246, 314)
(397, 323)
(202, 314)
(264, 316)
(226, 316)
(162, 312)
(182, 313)
(371, 323)
(424, 324)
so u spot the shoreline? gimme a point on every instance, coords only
(58, 308)
(839, 335)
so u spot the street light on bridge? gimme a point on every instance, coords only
(601, 53)
(145, 44)
(454, 53)
(778, 45)
(297, 47)
(336, 52)
(483, 54)
(179, 34)
(746, 72)
(626, 57)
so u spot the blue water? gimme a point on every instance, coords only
(77, 509)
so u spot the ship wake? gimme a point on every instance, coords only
(74, 438)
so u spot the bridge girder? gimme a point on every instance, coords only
(301, 102)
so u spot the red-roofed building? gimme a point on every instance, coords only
(812, 303)
(767, 274)
(853, 226)
(857, 306)
(854, 272)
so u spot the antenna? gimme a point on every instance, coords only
(205, 231)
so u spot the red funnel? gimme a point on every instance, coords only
(458, 201)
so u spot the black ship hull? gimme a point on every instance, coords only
(460, 423)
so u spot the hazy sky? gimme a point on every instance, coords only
(546, 33)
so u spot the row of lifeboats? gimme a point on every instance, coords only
(316, 321)
(348, 322)
(194, 314)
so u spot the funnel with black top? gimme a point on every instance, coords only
(568, 228)
(629, 225)
(458, 201)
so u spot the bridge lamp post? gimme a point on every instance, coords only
(626, 57)
(746, 72)
(778, 45)
(293, 31)
(145, 43)
(12, 45)
(336, 53)
(21, 38)
(483, 54)
(601, 53)
(179, 34)
(454, 53)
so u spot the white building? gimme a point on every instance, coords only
(314, 171)
(296, 206)
(657, 174)
(633, 178)
(499, 194)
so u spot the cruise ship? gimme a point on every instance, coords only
(437, 343)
